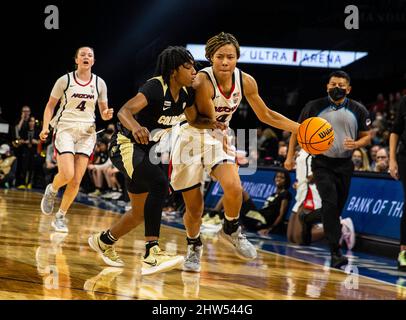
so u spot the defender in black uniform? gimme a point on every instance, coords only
(332, 171)
(397, 169)
(161, 103)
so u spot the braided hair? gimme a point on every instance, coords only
(219, 40)
(170, 60)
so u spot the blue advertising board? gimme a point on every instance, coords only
(259, 186)
(374, 204)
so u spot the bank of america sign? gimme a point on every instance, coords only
(289, 57)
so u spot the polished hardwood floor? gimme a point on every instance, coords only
(37, 263)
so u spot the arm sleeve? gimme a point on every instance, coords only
(399, 124)
(152, 90)
(364, 120)
(59, 87)
(102, 90)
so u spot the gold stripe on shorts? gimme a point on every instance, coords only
(126, 152)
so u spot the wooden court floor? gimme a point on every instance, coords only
(37, 263)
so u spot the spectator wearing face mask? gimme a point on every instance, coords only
(360, 160)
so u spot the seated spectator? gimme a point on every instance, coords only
(306, 194)
(50, 165)
(382, 161)
(372, 156)
(115, 191)
(360, 160)
(8, 166)
(305, 224)
(31, 162)
(379, 105)
(271, 217)
(281, 157)
(307, 228)
(111, 128)
(100, 163)
(268, 145)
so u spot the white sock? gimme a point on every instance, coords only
(231, 218)
(51, 188)
(195, 237)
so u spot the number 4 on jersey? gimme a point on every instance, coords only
(82, 105)
(222, 118)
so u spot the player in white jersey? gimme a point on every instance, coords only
(219, 90)
(74, 130)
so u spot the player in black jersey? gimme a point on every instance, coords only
(397, 169)
(161, 103)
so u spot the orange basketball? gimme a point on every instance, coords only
(315, 135)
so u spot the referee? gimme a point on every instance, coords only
(397, 169)
(332, 171)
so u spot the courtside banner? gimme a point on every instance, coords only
(374, 204)
(288, 57)
(259, 186)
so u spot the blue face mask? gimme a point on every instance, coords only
(337, 93)
(357, 162)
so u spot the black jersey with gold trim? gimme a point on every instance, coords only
(162, 111)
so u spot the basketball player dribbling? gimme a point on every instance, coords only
(161, 103)
(219, 91)
(74, 130)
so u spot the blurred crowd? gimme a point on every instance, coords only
(27, 162)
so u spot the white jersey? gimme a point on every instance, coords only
(77, 99)
(226, 106)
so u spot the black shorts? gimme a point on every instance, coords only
(134, 163)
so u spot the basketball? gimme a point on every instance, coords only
(315, 135)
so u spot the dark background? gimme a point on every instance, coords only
(127, 36)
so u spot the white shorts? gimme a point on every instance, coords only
(75, 138)
(193, 152)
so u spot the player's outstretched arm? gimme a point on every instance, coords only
(264, 114)
(289, 163)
